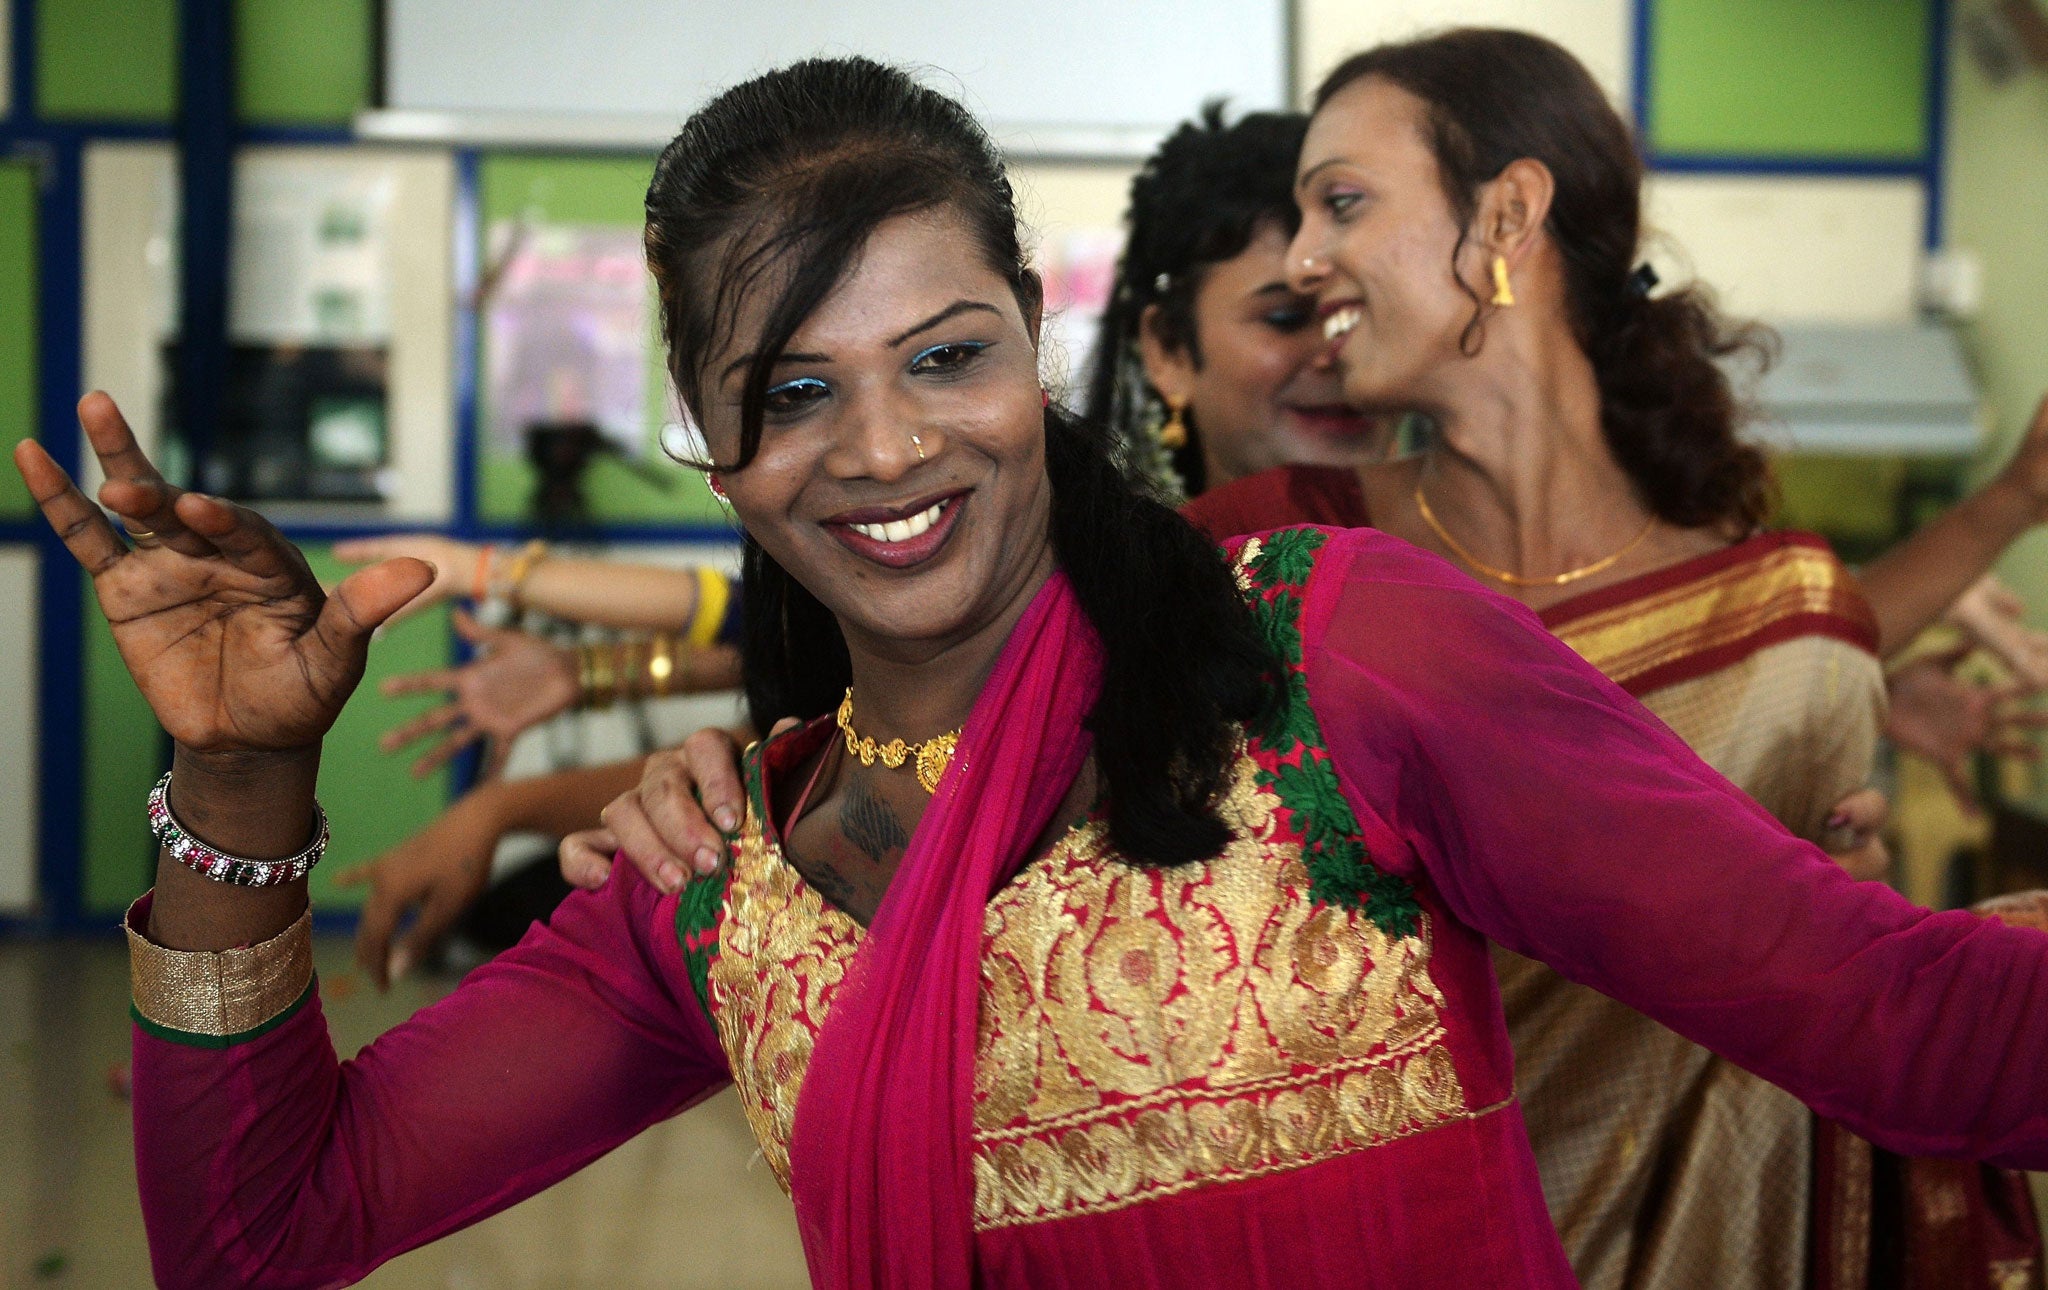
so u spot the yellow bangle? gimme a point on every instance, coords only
(522, 565)
(714, 593)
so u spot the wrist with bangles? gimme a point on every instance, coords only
(211, 862)
(487, 582)
(650, 668)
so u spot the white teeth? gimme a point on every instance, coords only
(1337, 324)
(900, 530)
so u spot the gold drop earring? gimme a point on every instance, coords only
(1174, 434)
(1503, 293)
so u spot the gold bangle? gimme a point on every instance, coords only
(604, 681)
(661, 663)
(626, 656)
(586, 677)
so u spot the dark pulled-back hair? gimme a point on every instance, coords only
(776, 185)
(1198, 201)
(1669, 414)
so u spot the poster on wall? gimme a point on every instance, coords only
(566, 309)
(1079, 271)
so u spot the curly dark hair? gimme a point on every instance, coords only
(1198, 201)
(1666, 407)
(776, 185)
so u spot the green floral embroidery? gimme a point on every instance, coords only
(697, 913)
(702, 903)
(1273, 572)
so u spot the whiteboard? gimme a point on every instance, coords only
(1040, 76)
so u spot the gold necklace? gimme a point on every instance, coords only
(1517, 579)
(932, 756)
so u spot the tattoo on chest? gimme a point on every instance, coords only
(868, 823)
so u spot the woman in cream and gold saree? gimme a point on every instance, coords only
(1587, 462)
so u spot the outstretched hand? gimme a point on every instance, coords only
(454, 563)
(217, 617)
(1950, 719)
(515, 682)
(1995, 617)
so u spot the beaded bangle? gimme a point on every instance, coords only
(219, 865)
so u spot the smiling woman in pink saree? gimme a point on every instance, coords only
(1120, 915)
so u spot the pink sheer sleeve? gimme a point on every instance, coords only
(270, 1164)
(1560, 818)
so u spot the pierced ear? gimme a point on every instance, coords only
(1169, 368)
(1515, 207)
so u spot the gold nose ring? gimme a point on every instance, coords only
(918, 444)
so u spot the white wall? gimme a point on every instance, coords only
(1791, 249)
(130, 269)
(1598, 31)
(19, 747)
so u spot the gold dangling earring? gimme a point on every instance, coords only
(1174, 434)
(1503, 294)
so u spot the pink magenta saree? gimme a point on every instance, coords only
(1282, 1067)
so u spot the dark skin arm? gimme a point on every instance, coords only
(244, 659)
(1914, 583)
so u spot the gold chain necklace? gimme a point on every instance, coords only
(1517, 579)
(932, 756)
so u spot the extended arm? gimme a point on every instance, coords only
(609, 593)
(1558, 817)
(1911, 585)
(261, 1160)
(268, 1164)
(442, 869)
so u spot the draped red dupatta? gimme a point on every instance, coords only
(880, 1153)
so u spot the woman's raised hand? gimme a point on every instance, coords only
(224, 628)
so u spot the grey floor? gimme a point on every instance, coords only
(683, 1205)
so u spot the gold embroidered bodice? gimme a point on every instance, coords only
(1142, 1031)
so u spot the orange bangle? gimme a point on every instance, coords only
(480, 585)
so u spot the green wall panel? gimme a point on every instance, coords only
(1797, 78)
(124, 753)
(371, 798)
(17, 324)
(107, 59)
(302, 62)
(587, 190)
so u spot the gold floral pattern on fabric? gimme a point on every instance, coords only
(782, 953)
(1144, 1031)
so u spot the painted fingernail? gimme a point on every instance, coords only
(669, 878)
(727, 820)
(1839, 820)
(706, 860)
